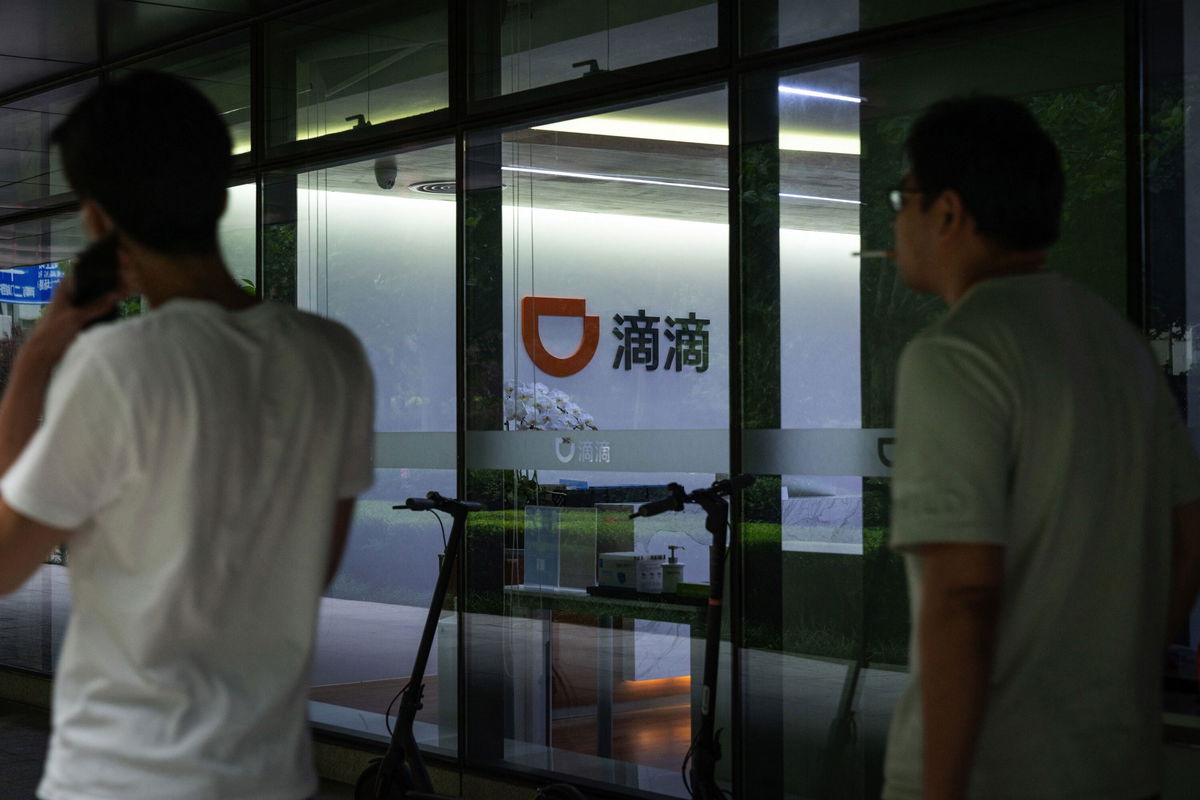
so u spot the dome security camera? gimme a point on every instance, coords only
(385, 172)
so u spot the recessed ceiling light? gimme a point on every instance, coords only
(433, 187)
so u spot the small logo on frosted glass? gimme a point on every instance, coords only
(585, 452)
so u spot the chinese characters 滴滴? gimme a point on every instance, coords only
(591, 452)
(690, 343)
(639, 343)
(638, 335)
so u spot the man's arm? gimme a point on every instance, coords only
(25, 544)
(342, 516)
(961, 587)
(1185, 565)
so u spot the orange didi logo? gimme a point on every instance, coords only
(533, 308)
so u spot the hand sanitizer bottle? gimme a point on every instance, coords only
(672, 571)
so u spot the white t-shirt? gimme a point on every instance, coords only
(1032, 416)
(198, 453)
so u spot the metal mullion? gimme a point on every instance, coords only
(729, 41)
(736, 634)
(457, 79)
(1136, 168)
(258, 137)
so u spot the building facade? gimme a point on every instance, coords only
(593, 249)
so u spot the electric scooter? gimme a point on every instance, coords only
(401, 773)
(701, 760)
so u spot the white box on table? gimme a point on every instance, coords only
(640, 571)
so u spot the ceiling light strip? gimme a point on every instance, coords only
(817, 197)
(798, 140)
(845, 98)
(615, 178)
(650, 182)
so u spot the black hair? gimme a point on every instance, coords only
(1005, 168)
(153, 152)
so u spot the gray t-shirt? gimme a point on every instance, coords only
(1032, 416)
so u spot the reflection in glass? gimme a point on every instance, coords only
(826, 608)
(780, 23)
(819, 208)
(33, 257)
(601, 667)
(236, 232)
(381, 261)
(32, 173)
(372, 615)
(378, 256)
(220, 69)
(590, 198)
(535, 44)
(332, 72)
(604, 241)
(131, 27)
(1173, 236)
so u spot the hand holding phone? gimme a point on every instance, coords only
(94, 273)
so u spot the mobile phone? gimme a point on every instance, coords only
(94, 273)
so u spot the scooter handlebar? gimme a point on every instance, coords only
(434, 501)
(730, 485)
(675, 500)
(672, 502)
(419, 504)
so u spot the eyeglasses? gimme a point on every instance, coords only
(896, 196)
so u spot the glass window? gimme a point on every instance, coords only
(597, 346)
(220, 69)
(31, 169)
(780, 23)
(134, 25)
(333, 71)
(236, 232)
(34, 257)
(372, 244)
(825, 609)
(49, 40)
(522, 46)
(1173, 238)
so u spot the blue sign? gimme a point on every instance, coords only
(31, 286)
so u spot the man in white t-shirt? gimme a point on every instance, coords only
(202, 462)
(1044, 492)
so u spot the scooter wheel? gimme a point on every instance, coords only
(364, 788)
(559, 791)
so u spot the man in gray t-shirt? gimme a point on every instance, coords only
(1045, 494)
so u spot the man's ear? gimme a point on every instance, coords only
(950, 214)
(96, 221)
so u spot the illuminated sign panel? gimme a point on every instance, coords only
(32, 286)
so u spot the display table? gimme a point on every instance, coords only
(608, 606)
